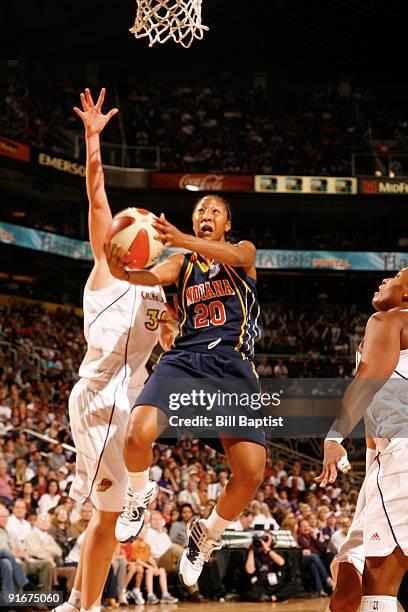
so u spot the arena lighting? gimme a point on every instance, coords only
(378, 173)
(391, 174)
(192, 188)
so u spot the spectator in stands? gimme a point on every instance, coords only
(295, 481)
(51, 498)
(264, 368)
(243, 522)
(311, 550)
(9, 454)
(42, 546)
(29, 496)
(137, 554)
(280, 370)
(21, 473)
(21, 447)
(17, 523)
(6, 484)
(340, 535)
(190, 495)
(119, 568)
(330, 527)
(178, 533)
(56, 459)
(61, 530)
(85, 517)
(164, 552)
(12, 575)
(40, 481)
(9, 542)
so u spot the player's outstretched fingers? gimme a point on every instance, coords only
(101, 98)
(89, 98)
(85, 104)
(333, 472)
(79, 112)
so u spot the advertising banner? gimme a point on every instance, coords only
(306, 184)
(44, 241)
(14, 150)
(59, 162)
(280, 259)
(201, 182)
(383, 186)
(266, 259)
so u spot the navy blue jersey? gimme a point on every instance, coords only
(218, 307)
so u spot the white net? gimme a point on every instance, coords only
(161, 20)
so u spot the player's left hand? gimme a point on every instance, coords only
(335, 458)
(169, 235)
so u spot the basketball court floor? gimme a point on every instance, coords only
(299, 605)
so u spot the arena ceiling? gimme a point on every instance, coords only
(272, 32)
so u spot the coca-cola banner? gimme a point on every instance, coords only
(201, 182)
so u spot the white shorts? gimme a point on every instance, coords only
(386, 521)
(352, 549)
(98, 420)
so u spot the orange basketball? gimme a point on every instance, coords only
(132, 229)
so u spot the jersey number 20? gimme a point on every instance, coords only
(214, 313)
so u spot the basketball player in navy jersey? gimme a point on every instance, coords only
(380, 392)
(219, 323)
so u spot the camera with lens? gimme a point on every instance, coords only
(258, 539)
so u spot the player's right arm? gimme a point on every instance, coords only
(99, 216)
(165, 273)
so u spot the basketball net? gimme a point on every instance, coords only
(161, 20)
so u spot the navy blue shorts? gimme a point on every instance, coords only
(207, 395)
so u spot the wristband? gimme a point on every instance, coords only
(333, 439)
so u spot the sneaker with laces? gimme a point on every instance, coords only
(138, 597)
(122, 599)
(198, 551)
(152, 599)
(168, 599)
(131, 519)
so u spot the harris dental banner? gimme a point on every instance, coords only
(267, 259)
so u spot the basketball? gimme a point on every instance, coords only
(132, 229)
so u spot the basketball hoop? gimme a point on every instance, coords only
(161, 20)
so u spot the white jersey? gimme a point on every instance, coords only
(387, 415)
(121, 328)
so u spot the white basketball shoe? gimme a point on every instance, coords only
(199, 549)
(131, 519)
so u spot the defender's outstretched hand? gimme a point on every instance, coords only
(91, 113)
(335, 458)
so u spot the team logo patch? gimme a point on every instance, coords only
(375, 537)
(104, 485)
(215, 268)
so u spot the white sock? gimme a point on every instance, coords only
(216, 525)
(75, 598)
(380, 603)
(138, 480)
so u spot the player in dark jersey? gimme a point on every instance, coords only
(219, 323)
